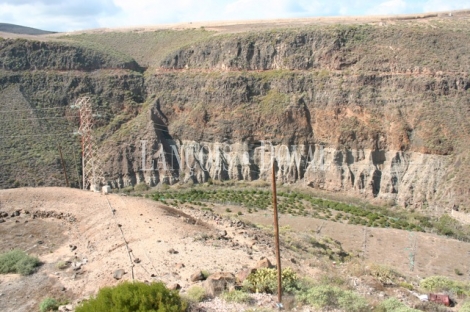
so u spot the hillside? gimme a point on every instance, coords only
(22, 30)
(82, 238)
(368, 108)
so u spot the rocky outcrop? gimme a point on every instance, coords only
(407, 178)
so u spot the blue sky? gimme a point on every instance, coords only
(68, 15)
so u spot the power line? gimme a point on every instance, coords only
(35, 135)
(30, 109)
(41, 118)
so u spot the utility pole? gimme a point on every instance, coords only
(63, 165)
(91, 170)
(276, 236)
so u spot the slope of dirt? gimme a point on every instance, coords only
(107, 233)
(100, 235)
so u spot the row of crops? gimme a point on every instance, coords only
(297, 204)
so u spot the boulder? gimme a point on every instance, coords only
(264, 263)
(118, 274)
(217, 283)
(243, 274)
(174, 286)
(198, 276)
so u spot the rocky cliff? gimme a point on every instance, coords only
(374, 111)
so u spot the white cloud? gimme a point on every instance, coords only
(389, 7)
(445, 5)
(56, 14)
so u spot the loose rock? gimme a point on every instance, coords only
(118, 274)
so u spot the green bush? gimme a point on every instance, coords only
(48, 304)
(384, 274)
(442, 283)
(17, 261)
(136, 296)
(237, 296)
(127, 189)
(331, 297)
(196, 294)
(465, 307)
(265, 280)
(141, 187)
(394, 305)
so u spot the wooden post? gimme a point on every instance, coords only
(63, 166)
(276, 236)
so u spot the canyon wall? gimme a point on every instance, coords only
(368, 111)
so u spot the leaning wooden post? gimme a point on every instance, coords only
(276, 236)
(63, 165)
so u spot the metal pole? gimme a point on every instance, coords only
(76, 167)
(63, 166)
(276, 236)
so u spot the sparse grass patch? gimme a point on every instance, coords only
(332, 297)
(394, 305)
(237, 296)
(384, 274)
(62, 265)
(141, 187)
(17, 261)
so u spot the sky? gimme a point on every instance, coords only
(70, 15)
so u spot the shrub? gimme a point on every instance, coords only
(394, 305)
(17, 261)
(384, 274)
(127, 189)
(61, 265)
(196, 294)
(265, 280)
(465, 307)
(406, 285)
(442, 283)
(137, 296)
(48, 304)
(331, 297)
(141, 187)
(237, 296)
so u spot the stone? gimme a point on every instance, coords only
(118, 274)
(2, 220)
(106, 189)
(264, 263)
(174, 286)
(196, 277)
(218, 282)
(172, 251)
(243, 274)
(76, 266)
(222, 234)
(179, 266)
(137, 260)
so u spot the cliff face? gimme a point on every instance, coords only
(369, 111)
